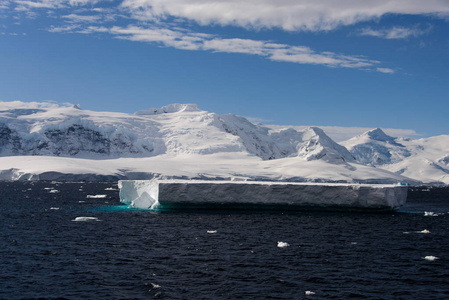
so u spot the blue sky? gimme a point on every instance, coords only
(291, 62)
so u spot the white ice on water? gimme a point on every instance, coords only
(150, 194)
(283, 244)
(430, 258)
(85, 219)
(96, 196)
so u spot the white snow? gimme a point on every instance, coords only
(150, 194)
(423, 159)
(47, 141)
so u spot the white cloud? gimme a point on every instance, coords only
(29, 5)
(65, 28)
(154, 21)
(385, 70)
(286, 14)
(30, 105)
(396, 32)
(75, 18)
(187, 40)
(4, 4)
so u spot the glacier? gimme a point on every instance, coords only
(47, 141)
(203, 194)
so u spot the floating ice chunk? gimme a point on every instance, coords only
(53, 191)
(96, 196)
(54, 208)
(424, 231)
(430, 258)
(309, 293)
(85, 219)
(431, 214)
(110, 189)
(231, 194)
(154, 285)
(211, 231)
(81, 201)
(283, 244)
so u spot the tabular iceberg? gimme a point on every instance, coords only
(252, 194)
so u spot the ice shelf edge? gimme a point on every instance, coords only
(260, 195)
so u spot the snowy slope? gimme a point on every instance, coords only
(428, 161)
(376, 148)
(424, 159)
(47, 141)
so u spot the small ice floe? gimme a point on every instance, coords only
(53, 191)
(85, 219)
(283, 244)
(425, 231)
(431, 214)
(96, 196)
(110, 189)
(54, 208)
(309, 293)
(353, 243)
(211, 231)
(48, 188)
(81, 201)
(430, 258)
(154, 285)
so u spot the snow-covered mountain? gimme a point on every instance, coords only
(48, 141)
(424, 159)
(376, 148)
(173, 129)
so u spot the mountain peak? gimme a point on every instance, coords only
(378, 135)
(170, 108)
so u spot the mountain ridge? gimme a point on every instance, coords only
(234, 147)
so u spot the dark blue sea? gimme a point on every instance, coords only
(75, 240)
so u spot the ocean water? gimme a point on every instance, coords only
(75, 240)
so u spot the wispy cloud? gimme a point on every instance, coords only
(4, 4)
(385, 70)
(394, 32)
(186, 40)
(30, 5)
(75, 18)
(158, 22)
(291, 15)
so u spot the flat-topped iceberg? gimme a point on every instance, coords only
(252, 194)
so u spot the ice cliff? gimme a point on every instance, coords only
(231, 194)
